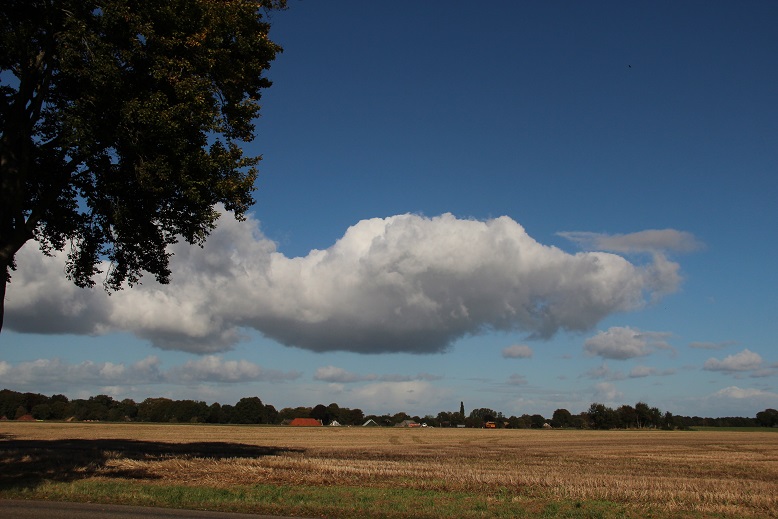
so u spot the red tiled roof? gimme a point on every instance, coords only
(305, 422)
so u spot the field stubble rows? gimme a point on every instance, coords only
(711, 472)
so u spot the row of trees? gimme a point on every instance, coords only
(251, 410)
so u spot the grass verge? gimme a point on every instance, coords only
(318, 501)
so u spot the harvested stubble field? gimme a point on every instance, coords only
(353, 472)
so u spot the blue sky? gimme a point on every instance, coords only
(519, 205)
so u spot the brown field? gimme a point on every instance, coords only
(674, 473)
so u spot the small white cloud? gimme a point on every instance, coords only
(148, 368)
(111, 370)
(711, 345)
(212, 368)
(622, 343)
(738, 393)
(746, 360)
(398, 396)
(604, 372)
(517, 351)
(606, 392)
(653, 240)
(339, 375)
(642, 371)
(646, 371)
(517, 380)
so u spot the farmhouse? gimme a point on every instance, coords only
(305, 422)
(408, 423)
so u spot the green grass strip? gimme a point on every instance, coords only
(322, 501)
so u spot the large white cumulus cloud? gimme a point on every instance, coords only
(402, 283)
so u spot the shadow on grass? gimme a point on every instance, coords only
(28, 463)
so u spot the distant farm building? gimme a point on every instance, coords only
(408, 423)
(305, 422)
(370, 423)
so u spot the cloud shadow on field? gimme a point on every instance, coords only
(29, 463)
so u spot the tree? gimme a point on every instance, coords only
(601, 416)
(627, 416)
(121, 124)
(248, 410)
(642, 414)
(188, 411)
(562, 418)
(155, 410)
(400, 417)
(215, 414)
(767, 418)
(59, 405)
(127, 409)
(321, 413)
(41, 412)
(351, 416)
(669, 421)
(9, 403)
(269, 414)
(520, 422)
(20, 412)
(478, 417)
(655, 417)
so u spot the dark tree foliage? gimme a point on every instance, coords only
(767, 418)
(120, 127)
(478, 417)
(401, 417)
(155, 410)
(483, 414)
(9, 402)
(627, 416)
(602, 417)
(248, 410)
(321, 413)
(562, 419)
(450, 419)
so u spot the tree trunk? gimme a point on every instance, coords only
(3, 283)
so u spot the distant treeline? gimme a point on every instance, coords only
(251, 410)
